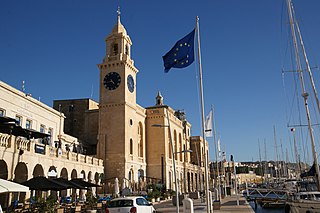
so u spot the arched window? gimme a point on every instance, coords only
(129, 175)
(180, 147)
(175, 142)
(131, 146)
(169, 144)
(170, 180)
(114, 49)
(140, 139)
(140, 174)
(127, 50)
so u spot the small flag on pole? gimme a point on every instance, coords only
(208, 125)
(182, 53)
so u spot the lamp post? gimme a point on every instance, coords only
(235, 179)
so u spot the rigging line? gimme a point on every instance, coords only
(295, 83)
(315, 67)
(287, 50)
(307, 65)
(306, 150)
(286, 96)
(307, 38)
(287, 103)
(314, 110)
(303, 125)
(298, 102)
(290, 144)
(281, 33)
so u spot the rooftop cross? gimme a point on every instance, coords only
(118, 12)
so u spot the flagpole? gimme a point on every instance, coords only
(215, 146)
(202, 118)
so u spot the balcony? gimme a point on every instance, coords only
(33, 147)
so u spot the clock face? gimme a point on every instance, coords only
(130, 83)
(112, 80)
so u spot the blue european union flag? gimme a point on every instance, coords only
(182, 53)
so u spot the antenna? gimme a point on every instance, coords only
(91, 91)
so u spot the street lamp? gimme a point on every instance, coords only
(235, 179)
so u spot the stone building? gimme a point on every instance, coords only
(82, 121)
(24, 156)
(134, 150)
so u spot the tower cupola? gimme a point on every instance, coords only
(159, 99)
(118, 44)
(119, 28)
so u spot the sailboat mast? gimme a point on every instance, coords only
(276, 154)
(307, 63)
(304, 93)
(296, 149)
(260, 164)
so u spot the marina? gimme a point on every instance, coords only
(260, 209)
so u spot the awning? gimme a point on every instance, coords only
(44, 184)
(8, 125)
(69, 184)
(9, 186)
(5, 119)
(83, 183)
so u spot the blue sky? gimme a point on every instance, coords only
(54, 46)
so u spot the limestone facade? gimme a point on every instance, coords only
(23, 158)
(81, 121)
(133, 148)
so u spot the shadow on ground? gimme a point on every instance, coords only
(233, 203)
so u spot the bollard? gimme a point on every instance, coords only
(187, 205)
(210, 202)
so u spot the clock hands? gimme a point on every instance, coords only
(111, 81)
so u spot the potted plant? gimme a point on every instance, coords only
(91, 201)
(157, 195)
(46, 205)
(151, 196)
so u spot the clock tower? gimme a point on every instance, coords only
(117, 107)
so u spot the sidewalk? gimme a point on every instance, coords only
(228, 205)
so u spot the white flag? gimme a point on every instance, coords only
(219, 149)
(208, 125)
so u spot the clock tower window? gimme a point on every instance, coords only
(127, 50)
(114, 49)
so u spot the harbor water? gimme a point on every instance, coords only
(259, 209)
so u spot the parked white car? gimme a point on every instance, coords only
(135, 204)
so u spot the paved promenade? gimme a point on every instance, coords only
(228, 204)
